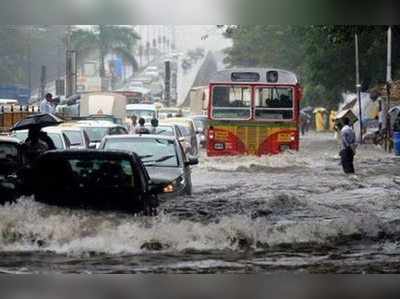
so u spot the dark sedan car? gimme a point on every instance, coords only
(93, 179)
(162, 156)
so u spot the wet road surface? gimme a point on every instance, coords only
(291, 212)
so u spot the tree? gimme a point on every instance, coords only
(322, 56)
(106, 39)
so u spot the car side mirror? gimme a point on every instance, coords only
(192, 161)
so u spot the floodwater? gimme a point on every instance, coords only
(295, 212)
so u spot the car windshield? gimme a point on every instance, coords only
(96, 134)
(154, 151)
(75, 137)
(142, 113)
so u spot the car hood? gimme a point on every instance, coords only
(162, 174)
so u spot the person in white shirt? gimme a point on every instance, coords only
(46, 106)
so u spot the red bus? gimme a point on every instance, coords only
(253, 111)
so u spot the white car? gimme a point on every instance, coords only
(56, 134)
(97, 129)
(77, 136)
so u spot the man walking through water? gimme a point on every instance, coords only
(348, 147)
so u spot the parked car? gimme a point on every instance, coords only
(56, 134)
(187, 127)
(96, 130)
(163, 157)
(93, 179)
(10, 162)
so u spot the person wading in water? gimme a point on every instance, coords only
(348, 147)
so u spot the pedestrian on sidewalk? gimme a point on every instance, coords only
(349, 145)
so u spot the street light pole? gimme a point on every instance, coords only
(388, 87)
(358, 86)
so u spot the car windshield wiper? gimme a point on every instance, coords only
(162, 159)
(145, 156)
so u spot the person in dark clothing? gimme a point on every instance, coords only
(141, 129)
(33, 146)
(154, 125)
(44, 137)
(348, 147)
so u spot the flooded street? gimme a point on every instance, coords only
(290, 212)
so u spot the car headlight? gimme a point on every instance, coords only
(169, 188)
(172, 187)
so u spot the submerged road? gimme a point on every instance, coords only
(291, 212)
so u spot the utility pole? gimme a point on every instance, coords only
(167, 83)
(68, 63)
(42, 82)
(358, 87)
(30, 58)
(388, 87)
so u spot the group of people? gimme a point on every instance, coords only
(138, 126)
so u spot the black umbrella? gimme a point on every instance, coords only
(37, 121)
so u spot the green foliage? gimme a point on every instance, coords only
(322, 56)
(105, 39)
(12, 55)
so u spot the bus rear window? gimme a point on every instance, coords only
(274, 103)
(231, 102)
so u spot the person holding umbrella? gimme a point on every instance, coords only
(37, 142)
(33, 146)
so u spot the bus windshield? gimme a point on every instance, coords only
(274, 103)
(142, 113)
(231, 102)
